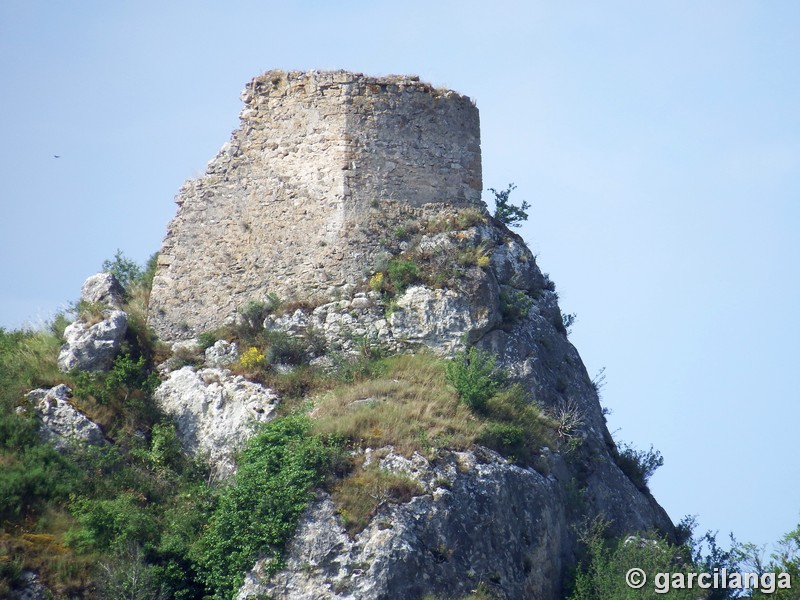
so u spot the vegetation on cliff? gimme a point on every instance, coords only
(137, 518)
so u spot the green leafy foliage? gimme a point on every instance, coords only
(258, 512)
(474, 374)
(639, 465)
(603, 572)
(507, 213)
(111, 524)
(402, 273)
(120, 399)
(514, 305)
(514, 425)
(33, 476)
(129, 273)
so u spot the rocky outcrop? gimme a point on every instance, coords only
(360, 197)
(222, 354)
(481, 520)
(214, 412)
(512, 528)
(92, 343)
(103, 288)
(93, 347)
(61, 424)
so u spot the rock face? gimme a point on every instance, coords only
(92, 346)
(362, 194)
(295, 203)
(444, 542)
(222, 354)
(103, 288)
(214, 412)
(62, 424)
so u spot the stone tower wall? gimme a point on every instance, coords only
(294, 203)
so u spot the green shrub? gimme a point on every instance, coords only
(602, 574)
(506, 438)
(120, 399)
(283, 348)
(32, 476)
(402, 273)
(507, 213)
(258, 512)
(165, 447)
(516, 426)
(126, 377)
(474, 374)
(208, 339)
(111, 524)
(126, 271)
(639, 465)
(514, 306)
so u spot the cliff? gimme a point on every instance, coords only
(360, 196)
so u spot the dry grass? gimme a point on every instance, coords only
(59, 567)
(359, 495)
(410, 407)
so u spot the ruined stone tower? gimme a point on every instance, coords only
(294, 203)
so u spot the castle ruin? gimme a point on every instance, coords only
(295, 202)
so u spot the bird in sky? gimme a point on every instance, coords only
(56, 156)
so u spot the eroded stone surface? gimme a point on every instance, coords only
(63, 425)
(93, 347)
(481, 519)
(214, 412)
(103, 288)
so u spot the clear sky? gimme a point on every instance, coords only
(658, 143)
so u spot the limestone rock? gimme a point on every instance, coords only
(222, 354)
(103, 288)
(444, 319)
(481, 519)
(93, 347)
(214, 412)
(62, 424)
(330, 178)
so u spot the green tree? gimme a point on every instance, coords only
(606, 572)
(258, 513)
(129, 273)
(507, 213)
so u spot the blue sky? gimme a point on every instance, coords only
(657, 142)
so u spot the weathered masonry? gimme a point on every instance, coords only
(295, 202)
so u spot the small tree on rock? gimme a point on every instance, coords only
(509, 214)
